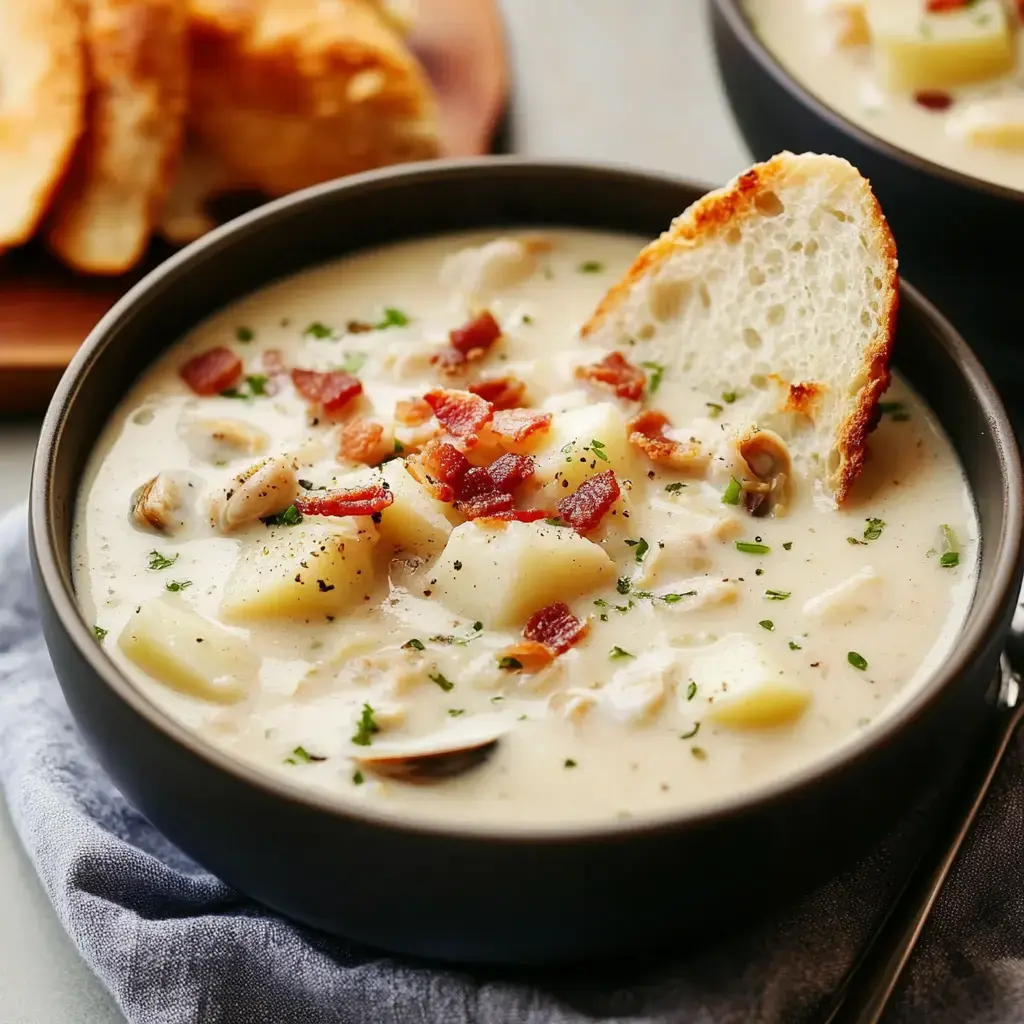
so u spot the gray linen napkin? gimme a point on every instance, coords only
(176, 946)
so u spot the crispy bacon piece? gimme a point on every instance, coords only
(413, 412)
(439, 468)
(941, 6)
(616, 373)
(532, 656)
(519, 424)
(212, 371)
(461, 413)
(332, 390)
(476, 335)
(587, 505)
(933, 99)
(647, 432)
(508, 471)
(555, 627)
(358, 501)
(361, 441)
(501, 392)
(517, 515)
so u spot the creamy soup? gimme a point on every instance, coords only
(643, 643)
(940, 78)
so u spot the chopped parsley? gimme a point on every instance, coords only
(291, 516)
(617, 652)
(950, 556)
(894, 410)
(353, 362)
(729, 397)
(858, 661)
(624, 585)
(300, 755)
(308, 485)
(676, 598)
(318, 330)
(413, 645)
(691, 690)
(174, 586)
(357, 778)
(509, 664)
(461, 641)
(365, 728)
(752, 548)
(767, 624)
(787, 545)
(874, 529)
(392, 318)
(656, 375)
(794, 646)
(455, 712)
(642, 547)
(158, 561)
(569, 763)
(442, 681)
(714, 410)
(99, 632)
(254, 386)
(596, 448)
(777, 595)
(699, 753)
(731, 496)
(591, 267)
(244, 333)
(674, 488)
(555, 521)
(854, 540)
(693, 732)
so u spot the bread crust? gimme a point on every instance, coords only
(126, 159)
(739, 201)
(41, 108)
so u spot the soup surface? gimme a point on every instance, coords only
(940, 79)
(616, 656)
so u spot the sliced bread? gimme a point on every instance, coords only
(783, 283)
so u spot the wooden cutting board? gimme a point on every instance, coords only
(46, 311)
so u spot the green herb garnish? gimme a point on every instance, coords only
(693, 732)
(794, 646)
(657, 373)
(569, 763)
(617, 652)
(874, 529)
(895, 410)
(365, 727)
(676, 598)
(596, 447)
(787, 545)
(392, 318)
(767, 624)
(300, 755)
(509, 664)
(751, 548)
(777, 595)
(357, 778)
(699, 753)
(950, 556)
(254, 386)
(455, 712)
(158, 561)
(858, 661)
(642, 547)
(729, 397)
(444, 683)
(353, 362)
(318, 330)
(714, 410)
(99, 632)
(691, 690)
(413, 645)
(732, 492)
(291, 516)
(244, 333)
(854, 540)
(674, 488)
(624, 585)
(174, 586)
(308, 485)
(591, 267)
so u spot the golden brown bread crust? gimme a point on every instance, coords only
(42, 95)
(125, 161)
(720, 210)
(289, 93)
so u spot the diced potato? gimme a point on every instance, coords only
(996, 123)
(567, 457)
(847, 600)
(187, 652)
(916, 50)
(845, 21)
(302, 572)
(502, 576)
(415, 521)
(750, 692)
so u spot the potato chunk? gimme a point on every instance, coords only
(996, 123)
(502, 576)
(916, 50)
(749, 691)
(188, 653)
(415, 522)
(567, 457)
(303, 572)
(848, 600)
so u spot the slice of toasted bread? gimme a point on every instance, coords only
(199, 179)
(42, 92)
(289, 93)
(782, 285)
(122, 170)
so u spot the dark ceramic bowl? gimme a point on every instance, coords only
(479, 894)
(956, 234)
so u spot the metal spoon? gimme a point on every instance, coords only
(870, 983)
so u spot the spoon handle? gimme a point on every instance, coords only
(870, 983)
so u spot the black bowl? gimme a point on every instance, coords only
(470, 893)
(956, 234)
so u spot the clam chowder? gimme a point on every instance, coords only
(390, 530)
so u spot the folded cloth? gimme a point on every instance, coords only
(176, 946)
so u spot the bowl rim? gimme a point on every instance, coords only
(45, 534)
(741, 27)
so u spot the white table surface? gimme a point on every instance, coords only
(601, 80)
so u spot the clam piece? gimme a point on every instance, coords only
(264, 490)
(223, 439)
(157, 504)
(481, 271)
(769, 470)
(443, 755)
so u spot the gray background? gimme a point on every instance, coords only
(594, 81)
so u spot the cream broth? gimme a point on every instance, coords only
(723, 651)
(944, 85)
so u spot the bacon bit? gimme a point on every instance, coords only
(476, 492)
(476, 335)
(361, 441)
(501, 392)
(586, 506)
(332, 390)
(357, 501)
(508, 471)
(531, 655)
(933, 99)
(461, 413)
(555, 627)
(647, 432)
(413, 412)
(212, 372)
(484, 506)
(516, 515)
(618, 374)
(519, 424)
(942, 6)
